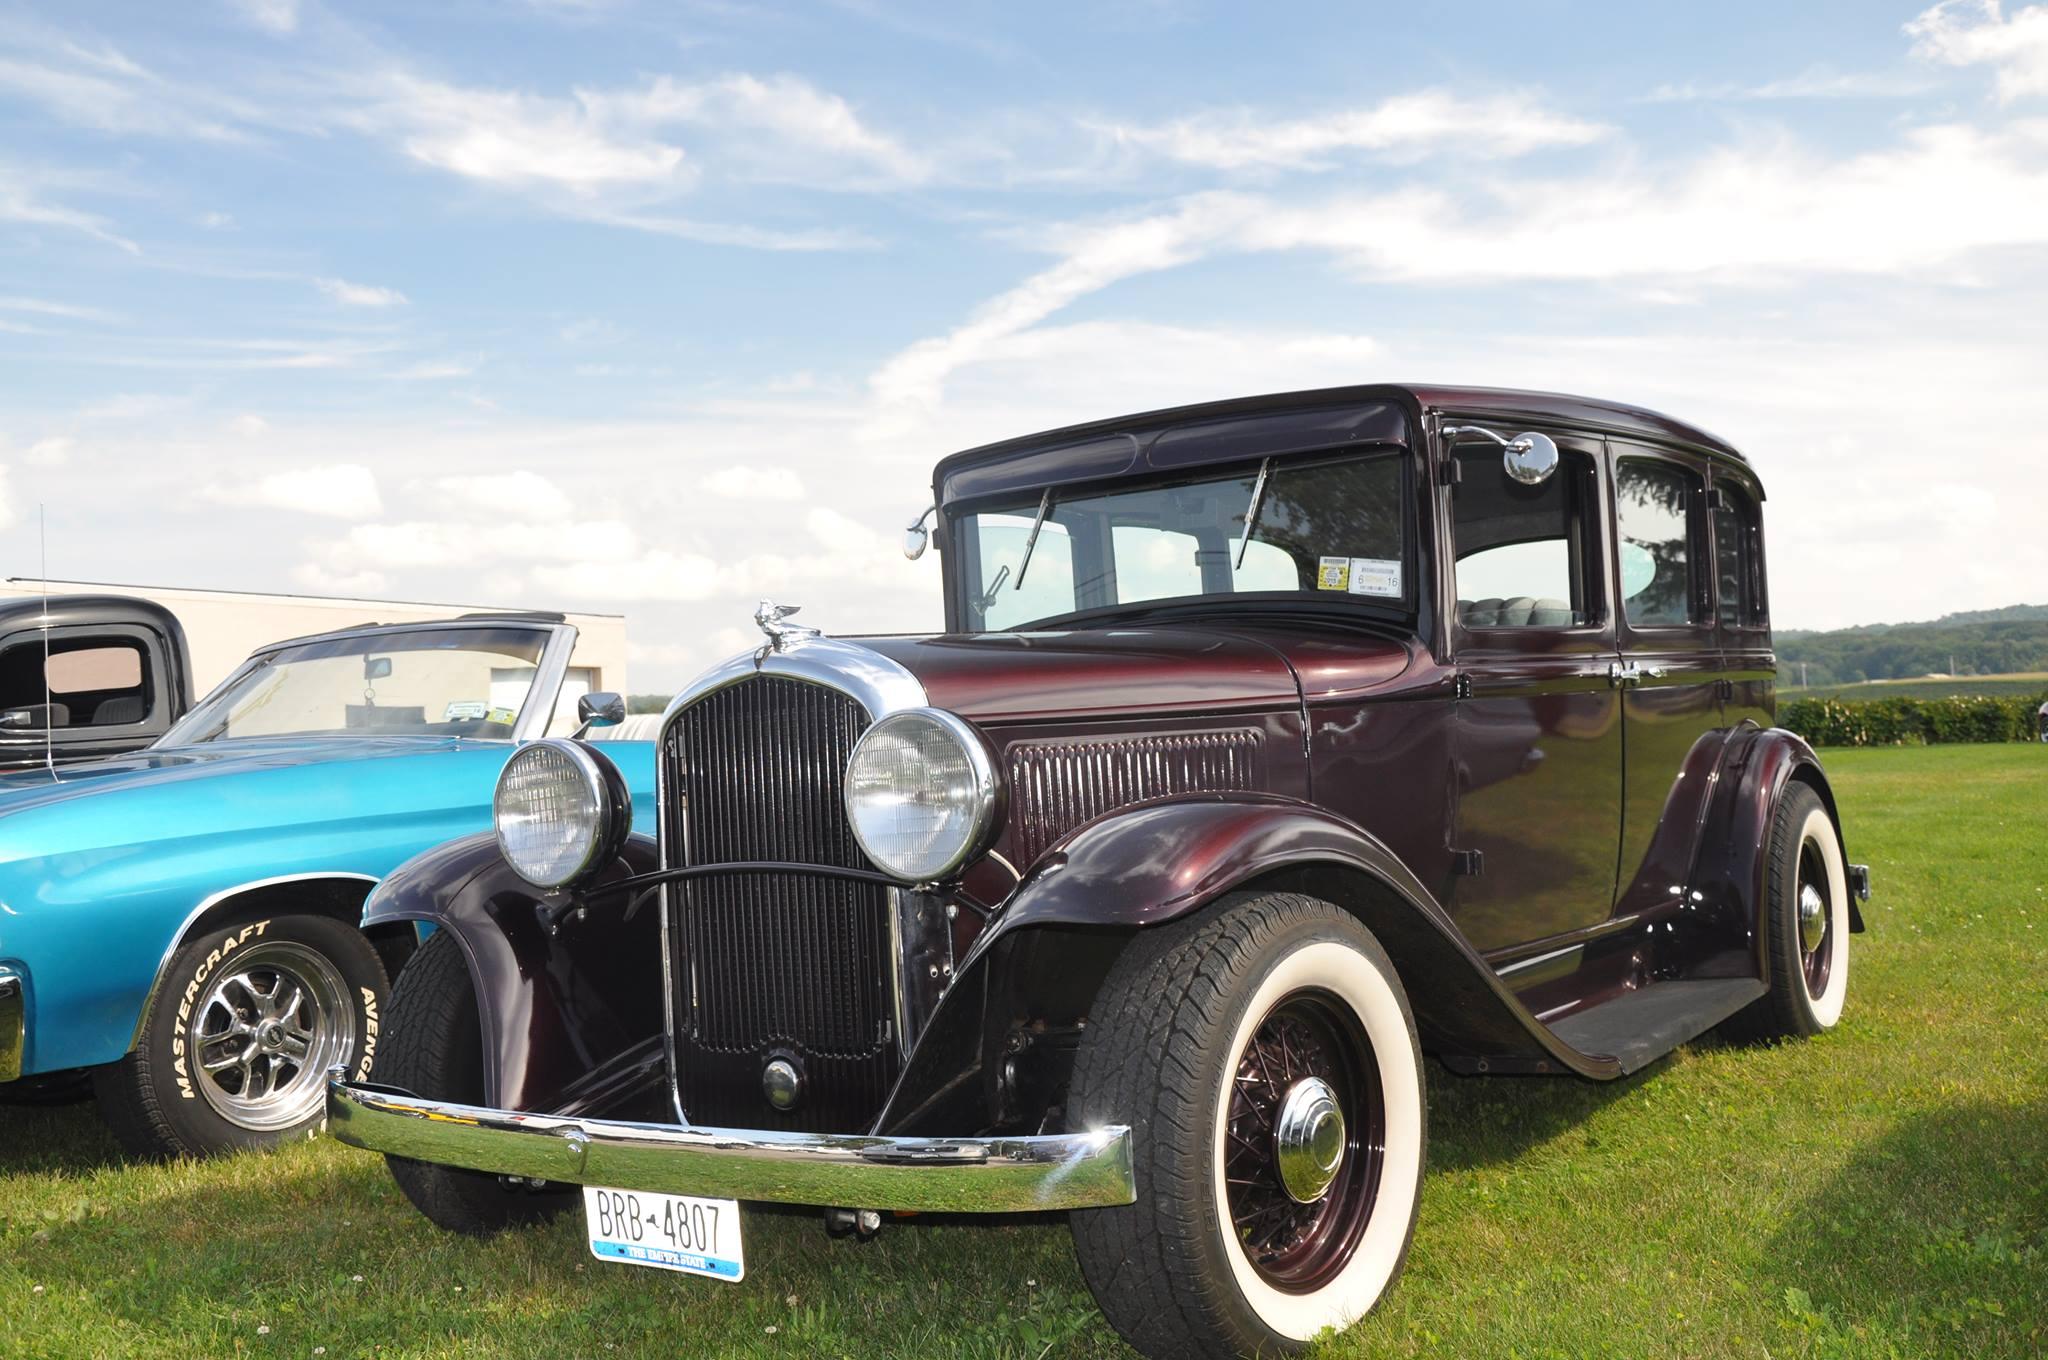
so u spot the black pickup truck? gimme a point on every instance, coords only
(87, 676)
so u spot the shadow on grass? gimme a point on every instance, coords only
(66, 1138)
(1481, 1121)
(1933, 1239)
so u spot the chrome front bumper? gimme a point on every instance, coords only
(854, 1171)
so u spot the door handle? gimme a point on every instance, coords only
(1624, 673)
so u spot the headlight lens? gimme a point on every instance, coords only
(554, 811)
(920, 792)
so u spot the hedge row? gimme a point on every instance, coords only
(1913, 722)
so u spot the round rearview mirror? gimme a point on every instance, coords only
(916, 538)
(1531, 458)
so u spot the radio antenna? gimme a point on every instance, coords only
(49, 714)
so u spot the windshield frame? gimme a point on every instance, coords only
(559, 640)
(1409, 611)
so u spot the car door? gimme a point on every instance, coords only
(1671, 670)
(1536, 730)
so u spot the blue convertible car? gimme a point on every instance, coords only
(182, 922)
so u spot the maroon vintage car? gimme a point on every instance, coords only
(1271, 745)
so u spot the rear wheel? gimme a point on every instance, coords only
(1265, 1058)
(434, 1048)
(1807, 925)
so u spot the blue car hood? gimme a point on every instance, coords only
(228, 785)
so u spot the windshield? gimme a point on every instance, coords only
(1321, 527)
(439, 682)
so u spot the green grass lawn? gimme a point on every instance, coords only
(1999, 686)
(1879, 1192)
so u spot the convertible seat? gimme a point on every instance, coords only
(1522, 611)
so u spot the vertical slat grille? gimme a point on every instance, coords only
(774, 963)
(1056, 786)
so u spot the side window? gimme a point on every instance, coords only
(1738, 558)
(1654, 505)
(91, 683)
(1523, 551)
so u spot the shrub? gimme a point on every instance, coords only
(1903, 721)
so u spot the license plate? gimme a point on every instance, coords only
(669, 1232)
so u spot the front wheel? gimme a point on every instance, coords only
(1264, 1055)
(1806, 925)
(235, 1047)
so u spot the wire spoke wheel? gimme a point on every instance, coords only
(1305, 1139)
(1816, 920)
(266, 1031)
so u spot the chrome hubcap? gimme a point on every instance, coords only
(1308, 1140)
(264, 1034)
(1813, 917)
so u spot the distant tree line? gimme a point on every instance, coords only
(1986, 642)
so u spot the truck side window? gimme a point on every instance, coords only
(1523, 551)
(1654, 505)
(89, 684)
(1737, 558)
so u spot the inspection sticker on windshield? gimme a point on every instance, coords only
(1333, 573)
(1372, 576)
(668, 1232)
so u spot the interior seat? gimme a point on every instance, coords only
(1522, 611)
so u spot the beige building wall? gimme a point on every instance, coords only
(223, 626)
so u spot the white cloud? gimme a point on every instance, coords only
(68, 310)
(8, 514)
(428, 370)
(1978, 33)
(341, 490)
(360, 294)
(526, 495)
(51, 452)
(449, 543)
(274, 16)
(96, 86)
(25, 198)
(249, 425)
(1404, 125)
(323, 581)
(1738, 213)
(749, 483)
(657, 575)
(1816, 82)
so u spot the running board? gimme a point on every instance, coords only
(1637, 1028)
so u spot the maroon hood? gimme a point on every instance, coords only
(1002, 677)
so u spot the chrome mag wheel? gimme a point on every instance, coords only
(1306, 1136)
(264, 1033)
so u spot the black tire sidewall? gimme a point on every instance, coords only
(168, 1074)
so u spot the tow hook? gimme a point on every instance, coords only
(860, 1223)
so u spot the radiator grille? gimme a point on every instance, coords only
(1056, 786)
(774, 963)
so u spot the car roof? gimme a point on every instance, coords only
(1507, 404)
(538, 622)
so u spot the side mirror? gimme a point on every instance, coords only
(1531, 459)
(601, 709)
(917, 538)
(376, 668)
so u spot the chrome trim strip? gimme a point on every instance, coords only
(964, 1175)
(878, 684)
(191, 918)
(548, 674)
(13, 1025)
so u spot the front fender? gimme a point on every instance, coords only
(1145, 866)
(571, 1017)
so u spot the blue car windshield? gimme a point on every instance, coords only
(443, 682)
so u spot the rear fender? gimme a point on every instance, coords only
(571, 1017)
(1735, 859)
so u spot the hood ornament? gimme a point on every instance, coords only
(771, 617)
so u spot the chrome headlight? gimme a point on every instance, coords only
(560, 810)
(921, 794)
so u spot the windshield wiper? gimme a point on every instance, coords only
(1031, 542)
(1251, 514)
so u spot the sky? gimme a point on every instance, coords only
(661, 308)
